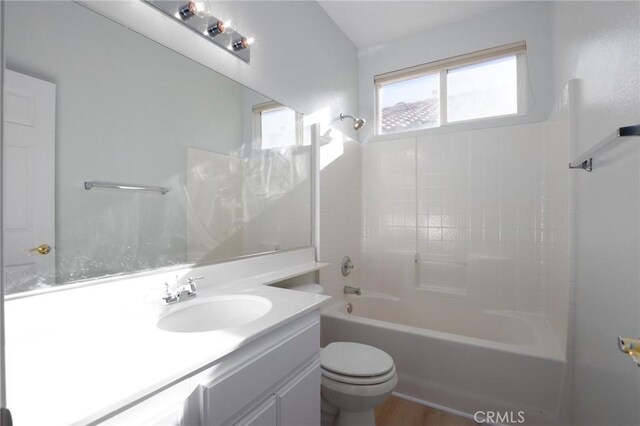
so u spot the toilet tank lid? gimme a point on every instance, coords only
(355, 359)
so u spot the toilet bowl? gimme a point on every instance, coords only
(355, 379)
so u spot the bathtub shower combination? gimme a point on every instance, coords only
(462, 359)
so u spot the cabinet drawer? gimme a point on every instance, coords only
(168, 408)
(226, 397)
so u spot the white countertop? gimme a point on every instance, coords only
(76, 356)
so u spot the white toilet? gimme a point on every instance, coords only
(355, 378)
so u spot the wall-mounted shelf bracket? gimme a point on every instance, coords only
(585, 165)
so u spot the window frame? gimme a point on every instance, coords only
(442, 67)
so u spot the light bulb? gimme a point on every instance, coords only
(243, 43)
(190, 9)
(215, 29)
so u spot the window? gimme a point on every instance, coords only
(487, 89)
(475, 86)
(277, 126)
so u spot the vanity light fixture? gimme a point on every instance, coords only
(195, 16)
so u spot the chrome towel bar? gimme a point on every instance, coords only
(109, 185)
(585, 161)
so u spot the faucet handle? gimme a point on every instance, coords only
(167, 289)
(168, 296)
(191, 283)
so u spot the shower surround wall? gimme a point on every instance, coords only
(477, 216)
(340, 213)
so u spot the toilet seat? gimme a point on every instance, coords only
(355, 359)
(359, 380)
(356, 364)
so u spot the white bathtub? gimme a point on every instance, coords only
(463, 359)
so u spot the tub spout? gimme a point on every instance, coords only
(352, 290)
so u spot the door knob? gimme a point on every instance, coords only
(630, 347)
(41, 249)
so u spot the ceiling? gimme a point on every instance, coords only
(368, 23)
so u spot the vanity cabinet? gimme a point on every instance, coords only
(272, 381)
(266, 414)
(299, 400)
(296, 404)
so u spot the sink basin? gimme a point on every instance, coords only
(214, 313)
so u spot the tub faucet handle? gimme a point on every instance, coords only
(346, 266)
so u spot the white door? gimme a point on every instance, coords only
(29, 182)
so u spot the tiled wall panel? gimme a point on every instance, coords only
(484, 212)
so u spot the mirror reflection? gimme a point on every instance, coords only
(88, 100)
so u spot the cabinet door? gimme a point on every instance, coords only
(227, 396)
(299, 400)
(265, 414)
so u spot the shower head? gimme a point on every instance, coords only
(358, 123)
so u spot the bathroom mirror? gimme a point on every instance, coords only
(122, 155)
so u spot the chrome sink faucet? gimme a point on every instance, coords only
(184, 291)
(352, 290)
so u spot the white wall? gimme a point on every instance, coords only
(528, 21)
(599, 44)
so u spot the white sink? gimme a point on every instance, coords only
(214, 313)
